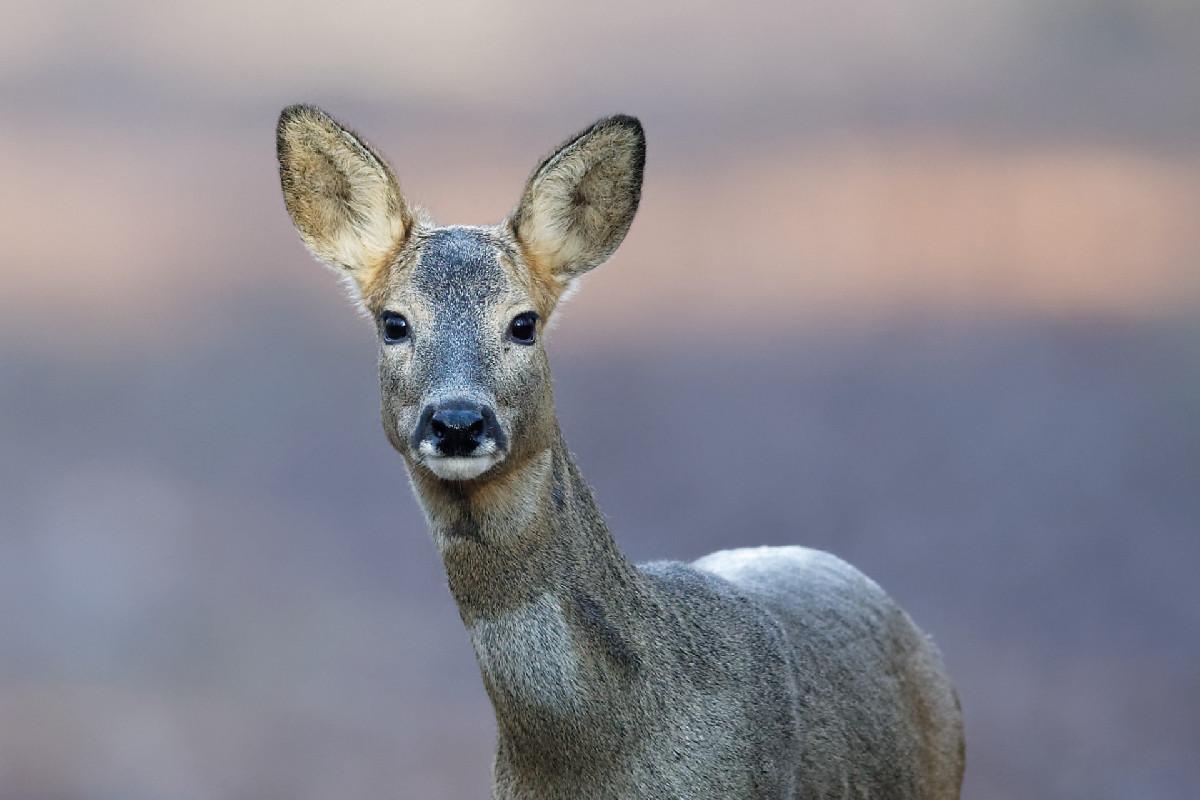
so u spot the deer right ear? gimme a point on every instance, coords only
(580, 201)
(341, 195)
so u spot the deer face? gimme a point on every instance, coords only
(460, 311)
(462, 371)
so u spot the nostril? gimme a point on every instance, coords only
(457, 430)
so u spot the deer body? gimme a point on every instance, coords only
(753, 673)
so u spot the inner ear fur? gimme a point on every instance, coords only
(580, 201)
(341, 195)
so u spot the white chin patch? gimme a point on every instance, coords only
(459, 469)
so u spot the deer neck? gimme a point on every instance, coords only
(556, 613)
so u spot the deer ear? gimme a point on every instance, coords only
(579, 202)
(341, 195)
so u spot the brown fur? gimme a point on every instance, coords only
(341, 195)
(579, 202)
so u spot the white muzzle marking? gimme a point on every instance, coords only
(459, 468)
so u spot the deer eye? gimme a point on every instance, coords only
(395, 327)
(523, 328)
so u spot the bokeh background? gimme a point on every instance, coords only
(949, 250)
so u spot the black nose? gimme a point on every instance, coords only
(456, 429)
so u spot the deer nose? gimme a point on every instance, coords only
(457, 429)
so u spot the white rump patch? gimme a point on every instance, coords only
(750, 562)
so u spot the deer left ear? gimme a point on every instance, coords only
(579, 202)
(341, 195)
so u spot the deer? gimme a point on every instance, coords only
(758, 672)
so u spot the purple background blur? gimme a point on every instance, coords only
(951, 250)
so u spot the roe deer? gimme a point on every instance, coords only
(771, 672)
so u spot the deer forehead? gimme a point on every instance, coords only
(458, 272)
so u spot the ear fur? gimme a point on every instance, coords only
(341, 195)
(580, 201)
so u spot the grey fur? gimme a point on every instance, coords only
(756, 673)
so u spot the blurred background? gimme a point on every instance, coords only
(952, 247)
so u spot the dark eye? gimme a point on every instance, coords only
(395, 327)
(523, 328)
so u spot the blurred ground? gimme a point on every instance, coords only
(950, 250)
(217, 584)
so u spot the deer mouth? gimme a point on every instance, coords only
(460, 468)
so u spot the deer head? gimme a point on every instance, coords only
(460, 310)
